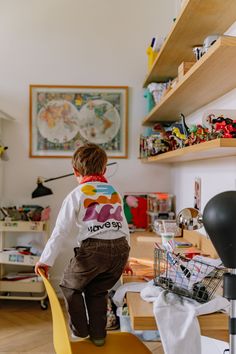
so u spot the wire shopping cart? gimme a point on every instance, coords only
(191, 278)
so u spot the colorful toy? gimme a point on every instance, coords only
(226, 127)
(185, 128)
(166, 137)
(221, 127)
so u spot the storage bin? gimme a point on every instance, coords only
(13, 257)
(125, 326)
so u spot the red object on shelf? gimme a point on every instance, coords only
(190, 253)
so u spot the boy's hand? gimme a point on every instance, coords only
(43, 266)
(128, 270)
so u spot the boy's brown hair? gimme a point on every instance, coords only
(89, 160)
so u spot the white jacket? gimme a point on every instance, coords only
(96, 209)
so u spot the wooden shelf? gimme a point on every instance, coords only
(211, 77)
(21, 286)
(8, 257)
(209, 149)
(23, 226)
(197, 20)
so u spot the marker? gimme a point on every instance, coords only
(153, 42)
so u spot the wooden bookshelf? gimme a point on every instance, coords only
(211, 77)
(197, 20)
(23, 226)
(209, 149)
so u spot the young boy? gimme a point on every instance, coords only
(96, 209)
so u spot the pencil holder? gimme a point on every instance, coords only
(151, 57)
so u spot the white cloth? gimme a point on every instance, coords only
(213, 346)
(176, 319)
(96, 209)
(119, 295)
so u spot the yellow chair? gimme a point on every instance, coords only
(116, 343)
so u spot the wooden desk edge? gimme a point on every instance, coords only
(214, 325)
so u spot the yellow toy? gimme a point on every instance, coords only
(176, 132)
(152, 54)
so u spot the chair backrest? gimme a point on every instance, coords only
(61, 339)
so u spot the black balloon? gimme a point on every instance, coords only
(219, 218)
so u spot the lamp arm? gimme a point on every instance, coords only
(70, 174)
(52, 179)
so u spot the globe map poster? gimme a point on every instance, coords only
(63, 118)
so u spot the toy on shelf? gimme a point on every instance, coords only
(179, 137)
(198, 134)
(168, 136)
(154, 141)
(225, 127)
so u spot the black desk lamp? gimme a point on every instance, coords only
(219, 220)
(42, 191)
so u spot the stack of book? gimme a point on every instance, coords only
(20, 276)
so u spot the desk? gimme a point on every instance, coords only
(141, 314)
(214, 325)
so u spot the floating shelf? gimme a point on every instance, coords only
(209, 78)
(197, 20)
(209, 149)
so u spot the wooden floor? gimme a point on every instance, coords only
(26, 328)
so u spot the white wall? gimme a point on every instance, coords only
(1, 164)
(75, 42)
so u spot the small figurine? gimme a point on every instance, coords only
(180, 137)
(186, 129)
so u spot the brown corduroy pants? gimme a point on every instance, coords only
(95, 268)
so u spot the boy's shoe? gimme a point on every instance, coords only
(98, 342)
(75, 338)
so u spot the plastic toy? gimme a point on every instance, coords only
(226, 127)
(220, 127)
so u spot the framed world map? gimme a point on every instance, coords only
(63, 118)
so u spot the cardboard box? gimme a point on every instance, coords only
(184, 68)
(13, 257)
